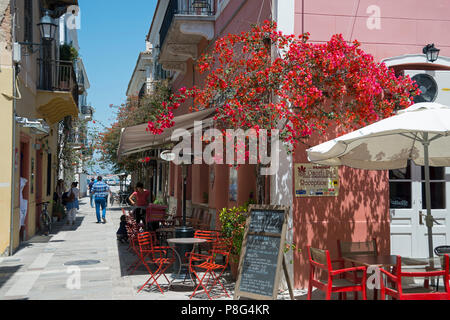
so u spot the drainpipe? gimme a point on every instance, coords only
(13, 175)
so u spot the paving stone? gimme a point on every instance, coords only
(106, 280)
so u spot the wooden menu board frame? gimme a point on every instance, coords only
(280, 261)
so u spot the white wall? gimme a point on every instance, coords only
(281, 183)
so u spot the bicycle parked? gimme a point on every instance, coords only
(46, 220)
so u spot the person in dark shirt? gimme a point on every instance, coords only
(122, 234)
(90, 191)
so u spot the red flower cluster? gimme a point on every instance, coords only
(145, 160)
(307, 86)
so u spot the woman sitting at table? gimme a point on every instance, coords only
(140, 199)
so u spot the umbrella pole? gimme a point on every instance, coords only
(429, 218)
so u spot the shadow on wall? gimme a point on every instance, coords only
(359, 213)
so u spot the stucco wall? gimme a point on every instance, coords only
(386, 29)
(6, 120)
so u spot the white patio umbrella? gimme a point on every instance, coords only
(420, 133)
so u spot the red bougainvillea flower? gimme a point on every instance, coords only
(306, 88)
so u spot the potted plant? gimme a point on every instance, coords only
(233, 226)
(68, 53)
(67, 56)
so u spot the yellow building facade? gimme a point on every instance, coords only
(43, 94)
(6, 126)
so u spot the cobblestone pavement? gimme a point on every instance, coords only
(82, 262)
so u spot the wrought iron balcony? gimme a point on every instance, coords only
(75, 140)
(185, 7)
(185, 23)
(87, 112)
(56, 75)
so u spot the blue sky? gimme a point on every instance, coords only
(111, 36)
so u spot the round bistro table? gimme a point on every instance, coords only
(184, 241)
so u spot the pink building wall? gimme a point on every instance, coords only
(361, 211)
(236, 17)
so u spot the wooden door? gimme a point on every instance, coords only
(38, 187)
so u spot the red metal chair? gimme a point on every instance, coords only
(320, 261)
(349, 249)
(211, 268)
(132, 232)
(399, 292)
(162, 257)
(210, 236)
(134, 245)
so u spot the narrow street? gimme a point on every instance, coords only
(47, 268)
(262, 150)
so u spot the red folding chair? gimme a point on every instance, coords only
(400, 292)
(132, 232)
(211, 268)
(161, 257)
(134, 245)
(210, 236)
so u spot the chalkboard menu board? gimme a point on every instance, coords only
(262, 253)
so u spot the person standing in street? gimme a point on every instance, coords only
(57, 197)
(100, 191)
(140, 199)
(91, 184)
(73, 204)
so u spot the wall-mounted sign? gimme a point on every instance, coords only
(168, 156)
(313, 180)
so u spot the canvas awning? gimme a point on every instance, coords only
(54, 106)
(137, 139)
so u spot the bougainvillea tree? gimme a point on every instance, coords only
(262, 78)
(136, 111)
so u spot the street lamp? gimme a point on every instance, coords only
(182, 231)
(431, 52)
(47, 28)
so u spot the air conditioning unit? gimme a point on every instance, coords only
(435, 85)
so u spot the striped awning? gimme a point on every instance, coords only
(137, 139)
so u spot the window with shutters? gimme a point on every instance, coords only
(28, 21)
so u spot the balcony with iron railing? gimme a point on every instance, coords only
(57, 90)
(76, 140)
(87, 112)
(185, 24)
(57, 75)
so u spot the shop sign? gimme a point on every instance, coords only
(313, 180)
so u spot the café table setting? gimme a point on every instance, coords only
(400, 278)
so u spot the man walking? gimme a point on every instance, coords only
(91, 184)
(100, 191)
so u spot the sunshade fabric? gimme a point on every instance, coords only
(55, 106)
(388, 144)
(137, 139)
